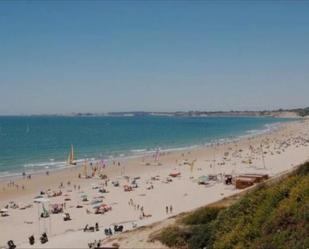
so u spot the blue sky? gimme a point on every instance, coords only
(97, 56)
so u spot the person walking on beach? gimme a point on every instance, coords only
(166, 209)
(171, 209)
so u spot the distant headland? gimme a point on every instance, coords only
(281, 113)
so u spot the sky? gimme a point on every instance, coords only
(100, 56)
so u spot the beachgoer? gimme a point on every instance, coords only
(166, 209)
(171, 209)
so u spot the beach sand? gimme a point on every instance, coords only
(281, 150)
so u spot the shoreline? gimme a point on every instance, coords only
(140, 153)
(286, 147)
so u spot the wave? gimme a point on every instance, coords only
(138, 150)
(52, 164)
(44, 164)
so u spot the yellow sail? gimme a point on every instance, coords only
(71, 156)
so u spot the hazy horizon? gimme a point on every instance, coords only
(98, 57)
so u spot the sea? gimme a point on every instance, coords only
(36, 143)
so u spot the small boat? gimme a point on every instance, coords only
(71, 156)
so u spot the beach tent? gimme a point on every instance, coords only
(106, 207)
(4, 210)
(203, 179)
(96, 201)
(99, 197)
(175, 173)
(41, 200)
(96, 205)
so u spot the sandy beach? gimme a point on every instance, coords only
(155, 195)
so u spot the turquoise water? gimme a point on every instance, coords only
(33, 143)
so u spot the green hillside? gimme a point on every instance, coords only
(271, 217)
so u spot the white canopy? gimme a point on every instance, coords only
(4, 210)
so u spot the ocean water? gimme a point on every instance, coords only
(36, 143)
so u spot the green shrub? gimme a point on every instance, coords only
(202, 216)
(174, 236)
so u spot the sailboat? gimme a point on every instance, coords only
(71, 157)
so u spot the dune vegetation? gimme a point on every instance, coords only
(274, 216)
